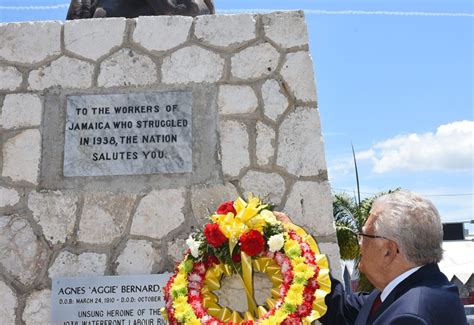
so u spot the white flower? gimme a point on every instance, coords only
(275, 242)
(193, 246)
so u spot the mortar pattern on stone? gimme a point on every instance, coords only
(275, 101)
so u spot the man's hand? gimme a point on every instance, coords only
(282, 217)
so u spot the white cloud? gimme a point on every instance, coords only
(367, 154)
(449, 148)
(453, 203)
(340, 168)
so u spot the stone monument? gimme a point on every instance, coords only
(117, 142)
(79, 9)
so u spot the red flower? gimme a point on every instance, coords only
(292, 320)
(226, 207)
(252, 243)
(211, 259)
(214, 235)
(236, 258)
(304, 309)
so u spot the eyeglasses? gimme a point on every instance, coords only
(360, 235)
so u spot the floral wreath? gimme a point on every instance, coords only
(243, 237)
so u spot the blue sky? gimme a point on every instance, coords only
(394, 78)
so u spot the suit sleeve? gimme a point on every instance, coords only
(342, 308)
(408, 319)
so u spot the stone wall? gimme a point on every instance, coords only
(256, 129)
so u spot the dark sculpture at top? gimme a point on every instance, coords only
(80, 9)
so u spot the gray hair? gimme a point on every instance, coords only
(413, 223)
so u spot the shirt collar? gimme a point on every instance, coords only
(389, 288)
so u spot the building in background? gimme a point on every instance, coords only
(458, 259)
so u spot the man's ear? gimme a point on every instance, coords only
(391, 249)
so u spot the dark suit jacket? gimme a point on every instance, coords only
(425, 297)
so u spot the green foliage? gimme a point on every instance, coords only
(344, 211)
(271, 230)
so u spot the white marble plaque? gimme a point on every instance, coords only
(108, 300)
(125, 134)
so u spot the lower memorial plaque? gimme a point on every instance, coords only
(125, 134)
(108, 300)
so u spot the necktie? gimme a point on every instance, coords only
(375, 306)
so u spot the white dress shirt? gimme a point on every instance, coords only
(389, 288)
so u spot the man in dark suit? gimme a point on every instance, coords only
(400, 247)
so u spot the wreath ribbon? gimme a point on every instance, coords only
(213, 280)
(268, 266)
(248, 281)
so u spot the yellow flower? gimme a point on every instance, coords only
(297, 288)
(257, 223)
(179, 315)
(230, 225)
(291, 245)
(293, 296)
(295, 261)
(182, 300)
(181, 307)
(309, 273)
(280, 316)
(180, 281)
(193, 321)
(246, 211)
(246, 218)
